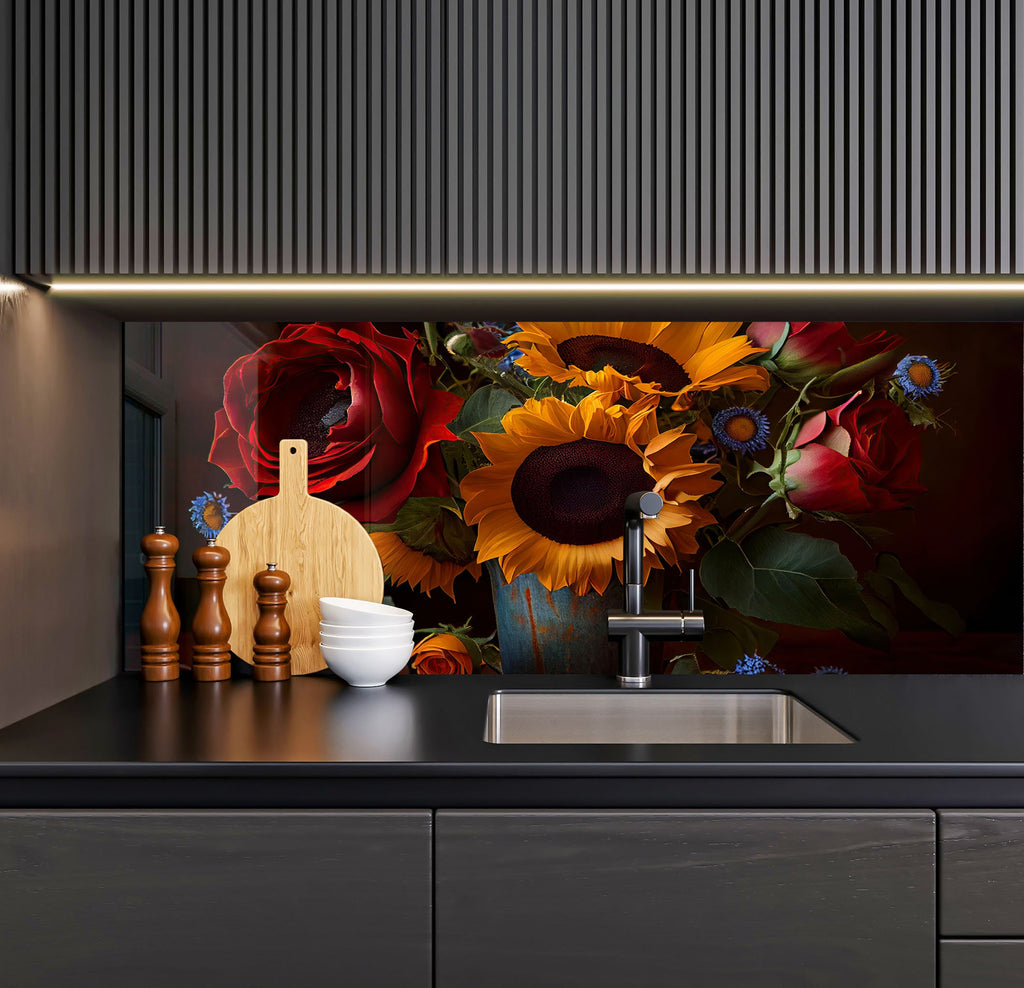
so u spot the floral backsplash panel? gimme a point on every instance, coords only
(850, 495)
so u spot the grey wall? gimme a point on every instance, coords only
(60, 502)
(552, 136)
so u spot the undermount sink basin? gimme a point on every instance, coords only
(655, 717)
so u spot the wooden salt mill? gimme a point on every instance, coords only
(271, 650)
(160, 623)
(211, 629)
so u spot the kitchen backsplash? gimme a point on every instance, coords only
(849, 494)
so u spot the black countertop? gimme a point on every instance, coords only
(921, 741)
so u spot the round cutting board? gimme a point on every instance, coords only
(325, 551)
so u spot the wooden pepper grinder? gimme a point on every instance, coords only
(271, 651)
(160, 623)
(211, 629)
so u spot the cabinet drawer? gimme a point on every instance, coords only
(981, 873)
(981, 963)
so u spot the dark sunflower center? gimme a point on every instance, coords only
(315, 415)
(651, 364)
(574, 493)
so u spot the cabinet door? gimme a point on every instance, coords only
(982, 868)
(604, 898)
(171, 899)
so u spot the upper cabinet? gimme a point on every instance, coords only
(516, 136)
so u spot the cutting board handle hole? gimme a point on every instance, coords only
(293, 450)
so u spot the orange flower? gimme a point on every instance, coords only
(631, 359)
(551, 500)
(441, 655)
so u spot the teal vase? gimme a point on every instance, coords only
(540, 630)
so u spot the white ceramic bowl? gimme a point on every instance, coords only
(363, 666)
(345, 610)
(363, 641)
(365, 630)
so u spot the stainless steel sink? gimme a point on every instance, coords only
(655, 717)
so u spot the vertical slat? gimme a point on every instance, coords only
(468, 54)
(300, 112)
(200, 240)
(990, 102)
(183, 147)
(960, 71)
(900, 144)
(693, 156)
(707, 164)
(855, 116)
(557, 127)
(975, 138)
(930, 164)
(751, 254)
(796, 178)
(389, 76)
(140, 164)
(915, 169)
(1017, 185)
(1005, 197)
(588, 95)
(643, 149)
(82, 159)
(602, 138)
(288, 113)
(780, 141)
(405, 150)
(155, 161)
(244, 158)
(453, 149)
(720, 147)
(869, 131)
(257, 139)
(168, 149)
(542, 174)
(59, 230)
(946, 123)
(228, 103)
(572, 136)
(347, 138)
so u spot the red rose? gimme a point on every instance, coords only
(827, 350)
(862, 456)
(365, 404)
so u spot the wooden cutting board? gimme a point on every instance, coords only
(325, 551)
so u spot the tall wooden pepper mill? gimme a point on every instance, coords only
(160, 623)
(271, 650)
(211, 628)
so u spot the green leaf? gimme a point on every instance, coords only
(753, 638)
(881, 614)
(944, 615)
(491, 656)
(483, 412)
(723, 648)
(683, 665)
(783, 576)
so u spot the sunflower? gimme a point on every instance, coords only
(551, 501)
(419, 569)
(427, 545)
(671, 359)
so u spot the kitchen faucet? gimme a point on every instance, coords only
(633, 625)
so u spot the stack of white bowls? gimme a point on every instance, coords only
(362, 642)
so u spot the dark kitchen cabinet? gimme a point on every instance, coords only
(606, 898)
(550, 137)
(167, 899)
(981, 854)
(981, 963)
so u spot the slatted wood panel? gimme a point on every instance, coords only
(518, 136)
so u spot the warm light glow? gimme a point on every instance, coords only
(8, 287)
(553, 285)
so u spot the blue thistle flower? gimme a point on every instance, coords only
(750, 665)
(210, 513)
(918, 376)
(829, 671)
(744, 430)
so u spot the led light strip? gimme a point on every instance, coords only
(553, 285)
